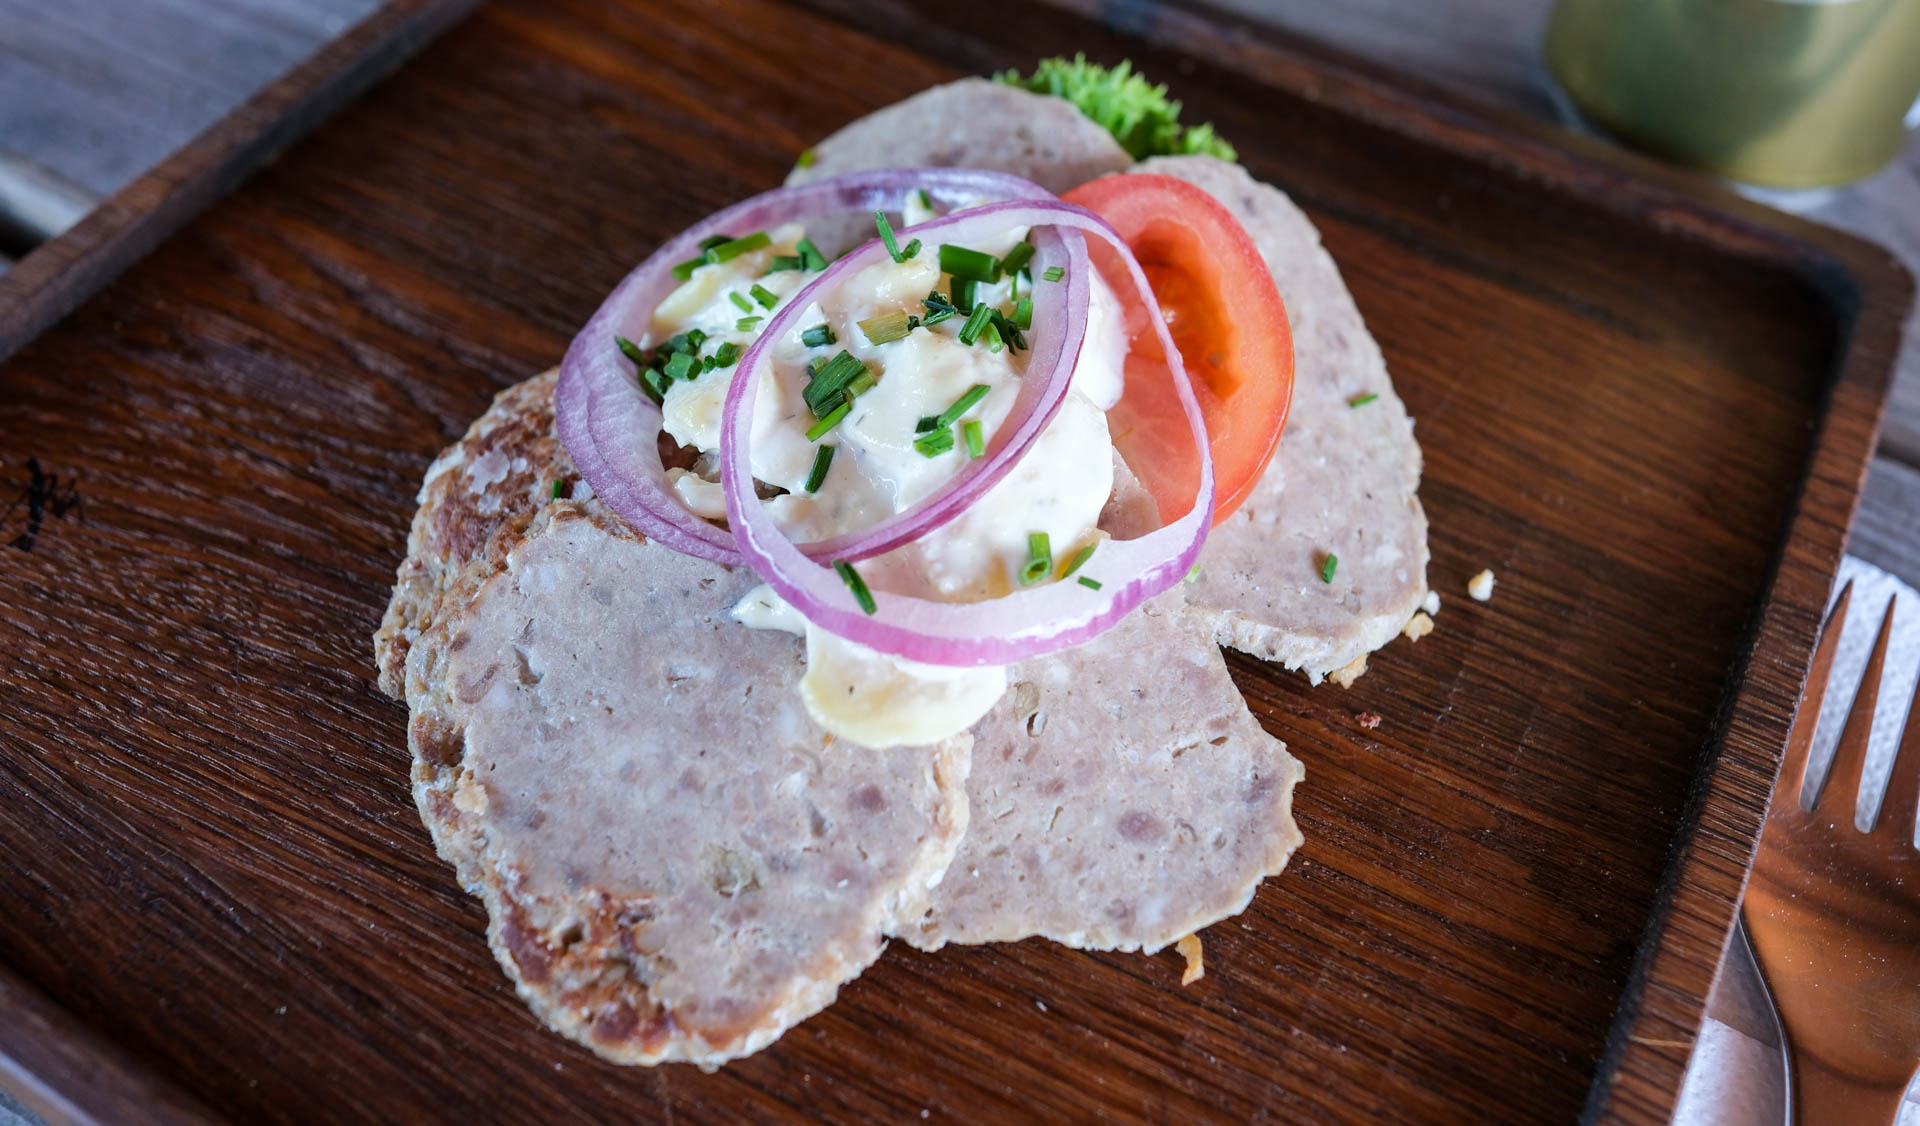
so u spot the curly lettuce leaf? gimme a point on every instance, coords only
(1138, 114)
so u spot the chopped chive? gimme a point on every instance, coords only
(855, 584)
(688, 341)
(1083, 580)
(934, 442)
(681, 365)
(888, 327)
(810, 256)
(1054, 273)
(654, 383)
(1362, 400)
(886, 237)
(976, 320)
(819, 336)
(834, 376)
(747, 324)
(685, 270)
(966, 264)
(1017, 258)
(1023, 312)
(1326, 569)
(820, 429)
(805, 159)
(963, 294)
(1039, 559)
(631, 350)
(920, 194)
(556, 488)
(962, 405)
(1006, 330)
(990, 336)
(822, 459)
(1079, 558)
(734, 248)
(724, 356)
(739, 301)
(1193, 575)
(783, 262)
(910, 250)
(767, 297)
(972, 434)
(712, 241)
(862, 383)
(938, 308)
(926, 423)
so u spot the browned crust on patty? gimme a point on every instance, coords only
(495, 477)
(681, 877)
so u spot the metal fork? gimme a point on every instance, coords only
(1834, 913)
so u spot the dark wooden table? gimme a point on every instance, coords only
(97, 91)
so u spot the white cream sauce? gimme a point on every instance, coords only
(1059, 487)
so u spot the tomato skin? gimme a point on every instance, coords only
(1226, 317)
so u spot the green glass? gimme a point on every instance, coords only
(1777, 93)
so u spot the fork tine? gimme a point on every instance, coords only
(1850, 757)
(1903, 785)
(1793, 768)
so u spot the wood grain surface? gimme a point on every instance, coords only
(1513, 892)
(102, 90)
(43, 286)
(99, 107)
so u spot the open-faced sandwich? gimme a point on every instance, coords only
(861, 572)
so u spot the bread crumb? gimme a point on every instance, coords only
(1432, 604)
(1418, 626)
(1368, 720)
(1189, 948)
(1345, 677)
(1481, 586)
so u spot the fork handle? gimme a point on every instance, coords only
(1824, 1097)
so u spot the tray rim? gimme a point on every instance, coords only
(56, 276)
(1651, 1037)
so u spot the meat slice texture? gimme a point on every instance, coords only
(1122, 796)
(676, 863)
(495, 477)
(973, 123)
(1344, 481)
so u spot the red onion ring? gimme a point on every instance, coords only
(611, 428)
(1059, 328)
(999, 631)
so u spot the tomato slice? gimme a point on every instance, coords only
(1227, 319)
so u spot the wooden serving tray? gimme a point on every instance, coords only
(1645, 405)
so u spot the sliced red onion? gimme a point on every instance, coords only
(999, 631)
(1059, 327)
(611, 428)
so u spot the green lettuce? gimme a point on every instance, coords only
(1138, 114)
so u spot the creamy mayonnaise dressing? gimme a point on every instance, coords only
(1059, 487)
